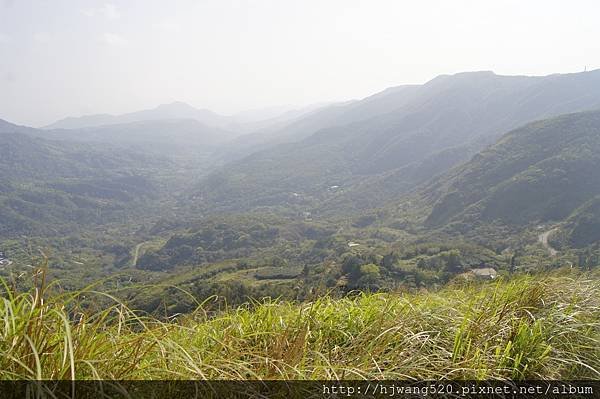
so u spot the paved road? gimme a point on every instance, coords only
(136, 253)
(543, 239)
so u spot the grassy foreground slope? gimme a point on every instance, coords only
(526, 327)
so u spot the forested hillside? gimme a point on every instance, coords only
(541, 172)
(51, 187)
(389, 143)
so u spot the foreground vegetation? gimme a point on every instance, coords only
(544, 326)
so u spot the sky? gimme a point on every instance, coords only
(62, 58)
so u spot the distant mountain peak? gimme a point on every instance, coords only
(174, 110)
(470, 75)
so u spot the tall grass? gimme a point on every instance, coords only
(528, 327)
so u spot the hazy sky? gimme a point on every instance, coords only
(68, 57)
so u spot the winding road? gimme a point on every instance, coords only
(543, 239)
(136, 252)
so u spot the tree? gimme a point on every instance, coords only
(369, 276)
(513, 263)
(351, 265)
(389, 260)
(453, 261)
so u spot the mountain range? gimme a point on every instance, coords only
(391, 142)
(240, 123)
(175, 110)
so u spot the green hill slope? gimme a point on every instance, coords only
(50, 186)
(583, 227)
(541, 172)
